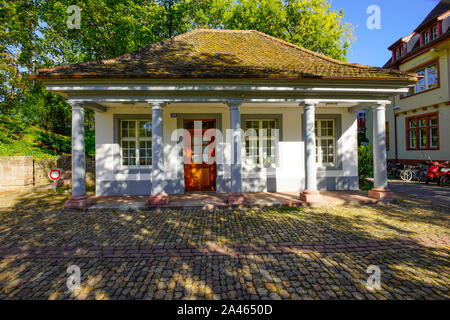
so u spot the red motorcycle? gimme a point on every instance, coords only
(435, 172)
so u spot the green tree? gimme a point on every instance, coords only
(46, 110)
(13, 83)
(34, 34)
(308, 23)
(365, 161)
(17, 22)
(109, 29)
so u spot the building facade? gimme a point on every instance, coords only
(224, 111)
(417, 121)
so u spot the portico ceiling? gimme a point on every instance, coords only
(351, 106)
(272, 92)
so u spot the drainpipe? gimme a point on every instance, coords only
(395, 137)
(395, 108)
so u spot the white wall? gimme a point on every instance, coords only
(112, 178)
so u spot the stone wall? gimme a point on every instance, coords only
(41, 169)
(17, 173)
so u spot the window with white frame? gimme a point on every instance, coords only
(426, 37)
(136, 142)
(260, 141)
(434, 33)
(429, 80)
(325, 142)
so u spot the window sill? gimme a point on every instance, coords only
(423, 149)
(418, 93)
(257, 167)
(328, 167)
(135, 167)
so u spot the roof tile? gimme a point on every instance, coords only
(208, 53)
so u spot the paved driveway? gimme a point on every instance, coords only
(427, 193)
(287, 253)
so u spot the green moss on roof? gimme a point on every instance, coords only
(207, 53)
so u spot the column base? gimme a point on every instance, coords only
(158, 199)
(381, 194)
(235, 198)
(77, 202)
(311, 196)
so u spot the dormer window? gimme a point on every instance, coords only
(401, 52)
(426, 37)
(434, 33)
(396, 55)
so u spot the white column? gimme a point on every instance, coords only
(78, 199)
(310, 147)
(157, 149)
(380, 190)
(310, 194)
(236, 197)
(235, 126)
(78, 151)
(379, 146)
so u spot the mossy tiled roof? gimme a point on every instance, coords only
(205, 53)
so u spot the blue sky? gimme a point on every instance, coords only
(398, 19)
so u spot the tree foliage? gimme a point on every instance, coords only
(365, 161)
(47, 110)
(34, 34)
(308, 23)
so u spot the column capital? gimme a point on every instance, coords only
(158, 104)
(379, 105)
(75, 104)
(309, 103)
(234, 103)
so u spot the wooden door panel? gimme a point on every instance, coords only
(199, 176)
(204, 177)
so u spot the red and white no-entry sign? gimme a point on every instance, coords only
(54, 175)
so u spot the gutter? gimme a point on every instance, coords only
(407, 78)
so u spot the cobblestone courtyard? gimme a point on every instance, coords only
(281, 253)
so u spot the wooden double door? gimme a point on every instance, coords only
(200, 173)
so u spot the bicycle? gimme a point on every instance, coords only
(406, 175)
(394, 170)
(415, 173)
(423, 171)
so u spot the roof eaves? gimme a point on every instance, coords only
(409, 77)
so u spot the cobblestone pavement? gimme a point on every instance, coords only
(227, 254)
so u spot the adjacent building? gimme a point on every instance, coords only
(418, 122)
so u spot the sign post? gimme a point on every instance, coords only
(54, 175)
